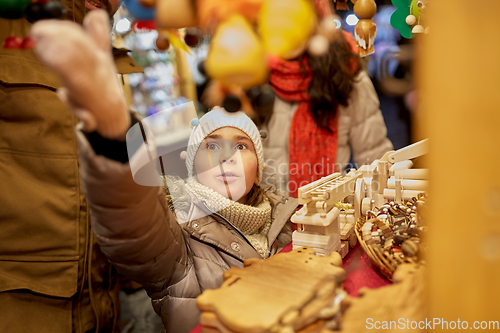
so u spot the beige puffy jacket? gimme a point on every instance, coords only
(361, 128)
(174, 261)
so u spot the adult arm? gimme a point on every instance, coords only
(133, 224)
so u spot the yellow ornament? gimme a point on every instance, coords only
(236, 56)
(286, 26)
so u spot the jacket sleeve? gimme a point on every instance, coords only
(368, 133)
(132, 223)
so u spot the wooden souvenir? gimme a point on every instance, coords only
(403, 299)
(415, 19)
(391, 234)
(318, 221)
(365, 30)
(341, 5)
(333, 204)
(391, 179)
(287, 291)
(211, 324)
(176, 14)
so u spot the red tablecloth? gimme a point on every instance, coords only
(360, 273)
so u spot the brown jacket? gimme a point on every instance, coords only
(174, 260)
(48, 255)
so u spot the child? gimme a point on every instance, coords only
(229, 218)
(142, 237)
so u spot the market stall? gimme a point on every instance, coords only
(425, 239)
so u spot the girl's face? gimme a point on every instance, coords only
(227, 163)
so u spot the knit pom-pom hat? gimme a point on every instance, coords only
(218, 118)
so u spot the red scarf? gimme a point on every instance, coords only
(312, 149)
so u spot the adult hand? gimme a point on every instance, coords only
(81, 57)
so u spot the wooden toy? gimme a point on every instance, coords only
(391, 179)
(211, 324)
(417, 11)
(365, 30)
(333, 204)
(391, 234)
(341, 4)
(250, 300)
(403, 299)
(318, 223)
(409, 17)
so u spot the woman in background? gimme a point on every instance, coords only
(329, 111)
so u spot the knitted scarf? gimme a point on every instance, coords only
(312, 149)
(253, 222)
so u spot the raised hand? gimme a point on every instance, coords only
(81, 57)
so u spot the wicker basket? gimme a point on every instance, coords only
(383, 260)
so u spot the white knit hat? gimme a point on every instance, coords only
(218, 118)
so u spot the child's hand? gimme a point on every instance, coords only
(82, 59)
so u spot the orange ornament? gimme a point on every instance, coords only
(162, 43)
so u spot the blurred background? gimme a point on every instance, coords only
(172, 77)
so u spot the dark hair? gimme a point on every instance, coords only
(333, 76)
(255, 196)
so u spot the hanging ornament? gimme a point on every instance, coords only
(28, 43)
(236, 56)
(12, 42)
(53, 10)
(341, 4)
(409, 17)
(365, 30)
(318, 45)
(262, 100)
(193, 37)
(211, 13)
(417, 11)
(34, 10)
(231, 103)
(399, 17)
(147, 3)
(286, 26)
(138, 11)
(162, 43)
(139, 26)
(176, 14)
(174, 39)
